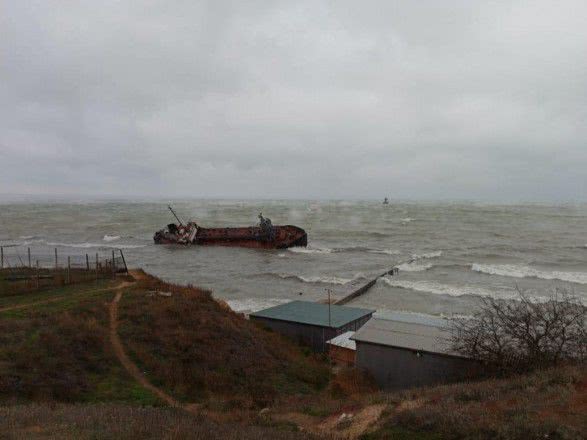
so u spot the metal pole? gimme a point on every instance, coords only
(37, 264)
(175, 215)
(123, 260)
(329, 325)
(29, 254)
(87, 263)
(56, 266)
(68, 269)
(113, 265)
(1, 257)
(96, 266)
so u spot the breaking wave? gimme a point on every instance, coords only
(30, 237)
(319, 279)
(254, 304)
(444, 289)
(427, 255)
(111, 237)
(96, 245)
(384, 251)
(414, 267)
(308, 250)
(352, 249)
(34, 241)
(325, 250)
(519, 271)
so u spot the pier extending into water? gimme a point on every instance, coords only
(365, 287)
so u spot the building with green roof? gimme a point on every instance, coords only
(312, 323)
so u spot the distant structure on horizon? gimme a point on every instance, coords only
(386, 201)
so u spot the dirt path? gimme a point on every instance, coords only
(128, 364)
(54, 299)
(360, 422)
(334, 426)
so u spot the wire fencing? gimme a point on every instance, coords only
(23, 270)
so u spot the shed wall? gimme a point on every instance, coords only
(396, 368)
(312, 335)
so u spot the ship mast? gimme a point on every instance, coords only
(175, 215)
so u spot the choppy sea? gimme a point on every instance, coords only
(458, 251)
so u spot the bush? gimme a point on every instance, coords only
(522, 334)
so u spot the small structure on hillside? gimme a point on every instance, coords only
(403, 355)
(312, 323)
(342, 348)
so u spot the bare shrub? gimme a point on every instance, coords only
(522, 334)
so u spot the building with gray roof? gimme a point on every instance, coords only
(407, 354)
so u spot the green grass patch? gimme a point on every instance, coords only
(62, 352)
(195, 349)
(36, 296)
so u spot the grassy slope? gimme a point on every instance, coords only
(60, 351)
(199, 351)
(544, 404)
(203, 352)
(73, 291)
(91, 421)
(49, 279)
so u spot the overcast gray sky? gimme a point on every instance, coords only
(268, 99)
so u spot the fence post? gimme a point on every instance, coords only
(96, 266)
(87, 263)
(37, 264)
(123, 260)
(29, 254)
(1, 257)
(56, 265)
(68, 269)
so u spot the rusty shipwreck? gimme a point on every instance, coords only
(263, 236)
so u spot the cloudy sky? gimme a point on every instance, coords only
(267, 99)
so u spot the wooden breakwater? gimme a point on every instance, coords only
(364, 288)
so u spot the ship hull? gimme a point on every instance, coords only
(250, 237)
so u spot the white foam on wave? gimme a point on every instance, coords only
(320, 279)
(520, 271)
(30, 242)
(414, 267)
(427, 255)
(308, 250)
(325, 250)
(406, 220)
(254, 304)
(444, 289)
(384, 251)
(111, 237)
(96, 245)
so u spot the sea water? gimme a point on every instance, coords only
(448, 254)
